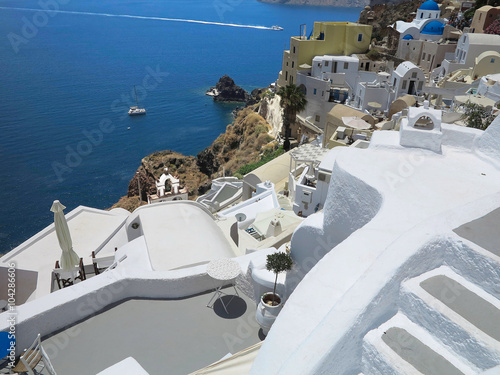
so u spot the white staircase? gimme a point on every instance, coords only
(446, 325)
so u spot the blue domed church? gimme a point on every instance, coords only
(422, 40)
(426, 26)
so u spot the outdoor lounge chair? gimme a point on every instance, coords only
(66, 278)
(100, 264)
(34, 360)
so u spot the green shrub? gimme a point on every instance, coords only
(476, 116)
(247, 168)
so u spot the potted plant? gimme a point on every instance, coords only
(270, 303)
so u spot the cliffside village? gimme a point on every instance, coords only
(387, 205)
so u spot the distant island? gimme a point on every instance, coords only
(333, 3)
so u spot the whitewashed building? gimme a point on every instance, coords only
(408, 79)
(469, 46)
(489, 86)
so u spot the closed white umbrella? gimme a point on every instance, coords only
(68, 258)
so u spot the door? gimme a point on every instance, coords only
(411, 88)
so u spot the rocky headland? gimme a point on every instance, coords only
(334, 3)
(227, 91)
(244, 142)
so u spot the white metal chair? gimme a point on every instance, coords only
(34, 360)
(66, 278)
(101, 263)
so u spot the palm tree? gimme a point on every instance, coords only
(293, 100)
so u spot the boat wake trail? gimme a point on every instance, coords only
(139, 17)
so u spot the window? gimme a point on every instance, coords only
(362, 65)
(322, 93)
(360, 37)
(346, 65)
(287, 63)
(421, 15)
(294, 49)
(326, 63)
(314, 92)
(317, 118)
(293, 63)
(492, 60)
(429, 57)
(423, 56)
(420, 84)
(394, 84)
(291, 80)
(414, 75)
(404, 85)
(286, 76)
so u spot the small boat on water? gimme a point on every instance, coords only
(135, 110)
(275, 27)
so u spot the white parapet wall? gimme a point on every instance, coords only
(132, 278)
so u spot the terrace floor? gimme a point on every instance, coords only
(164, 336)
(483, 231)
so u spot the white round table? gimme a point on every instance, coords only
(223, 270)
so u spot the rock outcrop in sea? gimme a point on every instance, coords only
(227, 91)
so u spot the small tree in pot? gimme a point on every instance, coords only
(278, 262)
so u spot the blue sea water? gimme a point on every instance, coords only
(66, 81)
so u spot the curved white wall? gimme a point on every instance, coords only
(350, 204)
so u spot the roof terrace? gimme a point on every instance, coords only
(164, 336)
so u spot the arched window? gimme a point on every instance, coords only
(424, 122)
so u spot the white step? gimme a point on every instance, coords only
(460, 314)
(399, 346)
(468, 257)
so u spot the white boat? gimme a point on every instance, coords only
(275, 27)
(135, 110)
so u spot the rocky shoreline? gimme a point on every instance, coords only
(243, 142)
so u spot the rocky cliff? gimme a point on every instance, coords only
(386, 14)
(242, 143)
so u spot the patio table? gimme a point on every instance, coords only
(223, 271)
